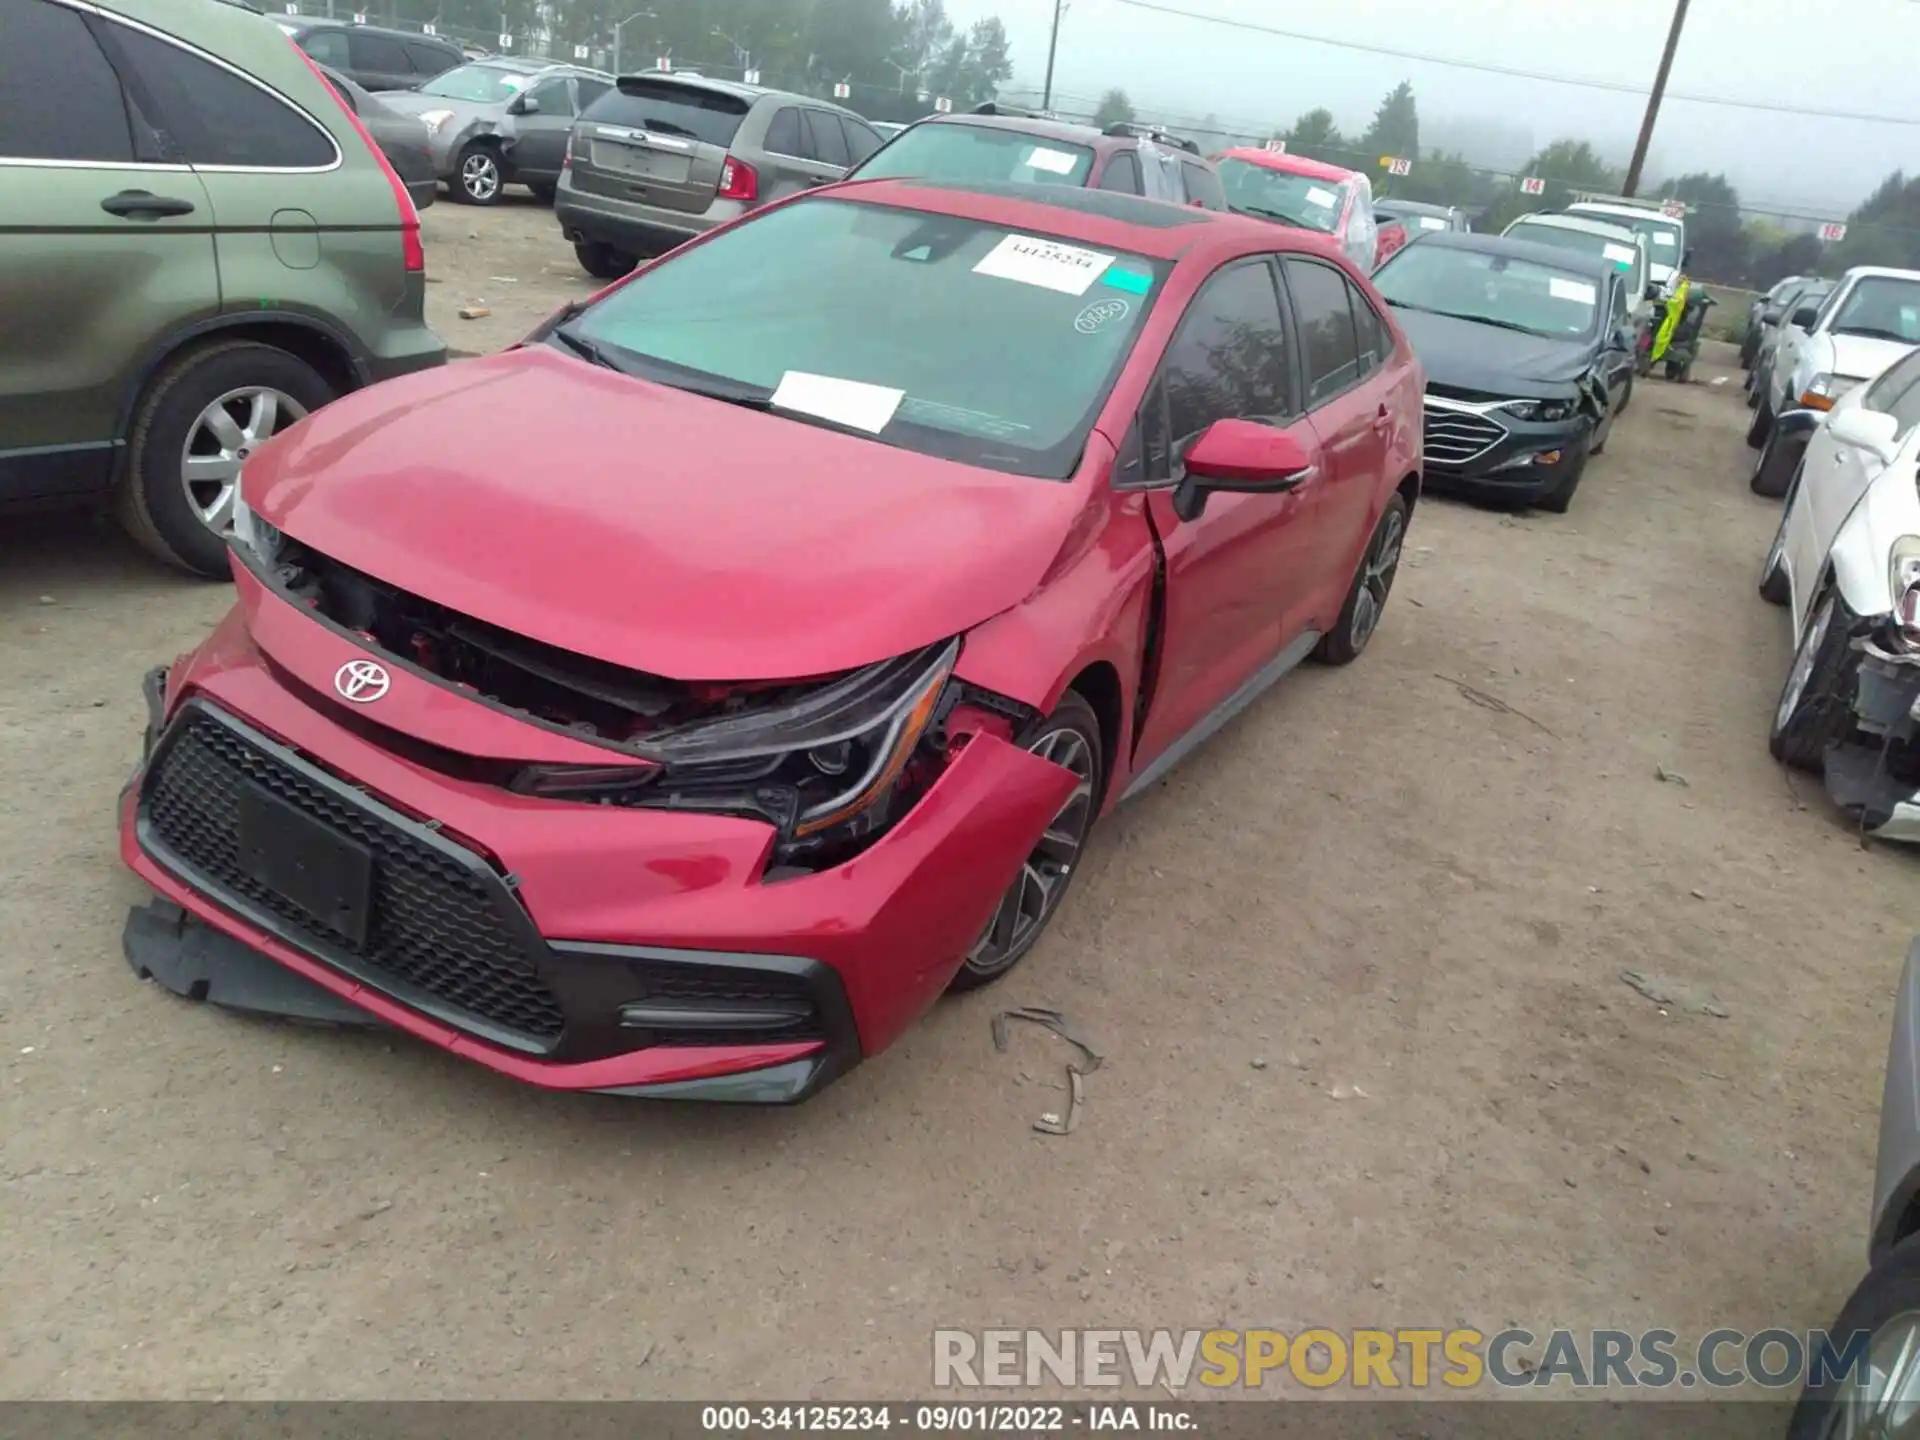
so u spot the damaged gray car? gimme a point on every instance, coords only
(500, 122)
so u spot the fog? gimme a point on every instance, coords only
(1857, 59)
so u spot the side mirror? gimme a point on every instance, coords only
(1770, 314)
(523, 105)
(1623, 338)
(1871, 430)
(1804, 317)
(1242, 456)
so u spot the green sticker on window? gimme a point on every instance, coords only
(1131, 281)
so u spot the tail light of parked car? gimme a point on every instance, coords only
(738, 181)
(414, 251)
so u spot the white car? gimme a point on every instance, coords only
(1846, 564)
(1870, 320)
(1619, 245)
(1666, 235)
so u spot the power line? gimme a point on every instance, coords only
(1619, 87)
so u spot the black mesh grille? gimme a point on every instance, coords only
(436, 927)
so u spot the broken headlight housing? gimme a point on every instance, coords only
(1903, 582)
(830, 769)
(1541, 410)
(254, 535)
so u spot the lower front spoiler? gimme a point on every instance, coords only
(1886, 692)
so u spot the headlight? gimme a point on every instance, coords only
(434, 119)
(825, 769)
(1903, 581)
(1541, 410)
(1824, 389)
(255, 535)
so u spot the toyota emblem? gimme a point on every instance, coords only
(362, 681)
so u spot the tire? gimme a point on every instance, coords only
(1626, 396)
(1816, 702)
(1749, 351)
(1774, 588)
(543, 192)
(1557, 500)
(478, 177)
(1777, 464)
(1890, 1291)
(182, 519)
(1372, 583)
(603, 262)
(1070, 735)
(1762, 425)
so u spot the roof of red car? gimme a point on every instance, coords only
(1290, 164)
(1153, 228)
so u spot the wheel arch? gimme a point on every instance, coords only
(1099, 685)
(325, 347)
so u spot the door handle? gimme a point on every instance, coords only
(1383, 421)
(144, 205)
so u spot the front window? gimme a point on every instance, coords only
(482, 84)
(1493, 289)
(979, 154)
(1881, 307)
(973, 343)
(1303, 200)
(1618, 253)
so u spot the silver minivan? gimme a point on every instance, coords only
(661, 158)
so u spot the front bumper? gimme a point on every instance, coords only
(1499, 457)
(1874, 774)
(565, 945)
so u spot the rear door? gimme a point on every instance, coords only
(828, 154)
(540, 136)
(1237, 578)
(862, 138)
(663, 142)
(1346, 404)
(379, 62)
(104, 249)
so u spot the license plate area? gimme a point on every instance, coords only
(641, 163)
(326, 874)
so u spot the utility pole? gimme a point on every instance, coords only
(1053, 43)
(1653, 100)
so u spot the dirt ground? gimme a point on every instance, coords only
(1356, 968)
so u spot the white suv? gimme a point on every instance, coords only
(1665, 234)
(1870, 320)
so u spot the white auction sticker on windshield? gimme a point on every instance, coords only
(1432, 222)
(1663, 240)
(1054, 162)
(1323, 198)
(1572, 290)
(845, 402)
(1620, 254)
(1046, 263)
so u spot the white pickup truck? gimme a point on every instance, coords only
(1662, 225)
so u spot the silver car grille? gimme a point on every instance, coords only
(1458, 437)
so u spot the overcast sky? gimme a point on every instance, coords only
(1772, 51)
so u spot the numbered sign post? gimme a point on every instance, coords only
(943, 105)
(429, 28)
(752, 77)
(1276, 146)
(841, 90)
(1394, 165)
(506, 42)
(580, 52)
(663, 63)
(359, 17)
(1533, 185)
(1833, 232)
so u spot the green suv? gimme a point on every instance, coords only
(199, 245)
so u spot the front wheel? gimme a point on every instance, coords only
(1774, 470)
(1762, 425)
(477, 179)
(1885, 1308)
(1070, 738)
(1816, 703)
(1367, 597)
(1774, 588)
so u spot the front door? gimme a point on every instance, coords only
(540, 134)
(1237, 578)
(104, 249)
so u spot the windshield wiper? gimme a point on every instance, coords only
(1474, 319)
(1266, 214)
(588, 350)
(1872, 332)
(667, 127)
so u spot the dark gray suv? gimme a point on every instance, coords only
(661, 158)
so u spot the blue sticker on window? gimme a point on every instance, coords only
(1131, 281)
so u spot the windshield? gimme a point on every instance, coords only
(1497, 289)
(1276, 195)
(1623, 257)
(1663, 237)
(973, 154)
(1884, 307)
(485, 84)
(973, 343)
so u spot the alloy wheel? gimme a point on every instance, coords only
(1887, 1405)
(480, 176)
(220, 441)
(1803, 661)
(1030, 901)
(1376, 578)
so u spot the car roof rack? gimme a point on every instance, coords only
(1654, 203)
(1128, 129)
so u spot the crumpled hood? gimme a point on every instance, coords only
(1467, 355)
(1862, 356)
(654, 529)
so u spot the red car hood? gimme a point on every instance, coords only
(655, 529)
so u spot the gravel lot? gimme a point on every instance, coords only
(1356, 967)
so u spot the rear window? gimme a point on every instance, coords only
(1623, 257)
(671, 107)
(975, 344)
(973, 154)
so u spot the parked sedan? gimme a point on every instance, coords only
(401, 138)
(694, 747)
(1529, 357)
(1402, 220)
(1846, 564)
(500, 122)
(1307, 194)
(1758, 309)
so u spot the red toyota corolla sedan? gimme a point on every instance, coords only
(678, 703)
